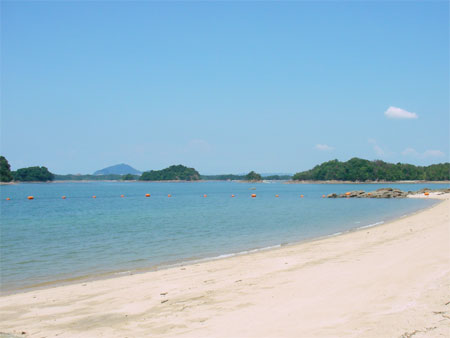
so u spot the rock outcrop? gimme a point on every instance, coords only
(385, 193)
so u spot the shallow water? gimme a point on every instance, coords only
(50, 238)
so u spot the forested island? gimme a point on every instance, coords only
(354, 170)
(172, 173)
(30, 174)
(361, 170)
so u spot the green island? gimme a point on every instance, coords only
(353, 170)
(252, 176)
(357, 169)
(172, 173)
(33, 174)
(30, 174)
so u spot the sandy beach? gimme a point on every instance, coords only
(390, 280)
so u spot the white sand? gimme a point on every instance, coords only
(387, 281)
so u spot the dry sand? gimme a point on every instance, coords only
(387, 281)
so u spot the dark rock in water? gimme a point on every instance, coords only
(386, 193)
(379, 193)
(384, 189)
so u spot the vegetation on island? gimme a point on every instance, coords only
(33, 174)
(252, 176)
(361, 170)
(5, 170)
(130, 177)
(224, 177)
(80, 177)
(231, 177)
(355, 170)
(277, 177)
(172, 173)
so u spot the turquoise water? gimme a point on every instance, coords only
(50, 238)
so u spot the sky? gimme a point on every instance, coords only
(224, 87)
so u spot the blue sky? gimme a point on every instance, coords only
(225, 87)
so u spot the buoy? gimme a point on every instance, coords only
(94, 196)
(30, 197)
(169, 195)
(204, 195)
(122, 196)
(7, 198)
(147, 195)
(426, 193)
(64, 197)
(253, 195)
(232, 195)
(277, 195)
(302, 196)
(368, 194)
(323, 196)
(347, 193)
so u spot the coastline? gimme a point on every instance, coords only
(365, 182)
(111, 274)
(238, 181)
(264, 285)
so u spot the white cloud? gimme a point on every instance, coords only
(410, 152)
(399, 113)
(376, 148)
(433, 153)
(323, 147)
(428, 153)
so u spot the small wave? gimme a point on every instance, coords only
(239, 253)
(213, 258)
(123, 273)
(371, 225)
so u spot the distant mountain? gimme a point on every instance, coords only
(118, 169)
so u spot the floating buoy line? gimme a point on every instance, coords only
(204, 196)
(146, 195)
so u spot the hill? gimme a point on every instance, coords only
(118, 169)
(358, 169)
(172, 173)
(33, 174)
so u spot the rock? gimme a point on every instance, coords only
(379, 193)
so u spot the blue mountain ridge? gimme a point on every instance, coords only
(118, 169)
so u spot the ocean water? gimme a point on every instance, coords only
(53, 239)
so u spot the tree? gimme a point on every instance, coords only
(358, 169)
(252, 176)
(5, 170)
(172, 173)
(33, 174)
(129, 177)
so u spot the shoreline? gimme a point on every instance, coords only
(386, 280)
(365, 182)
(106, 275)
(237, 181)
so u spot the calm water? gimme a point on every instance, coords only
(49, 239)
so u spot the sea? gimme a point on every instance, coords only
(50, 239)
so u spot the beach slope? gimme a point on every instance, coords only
(390, 280)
